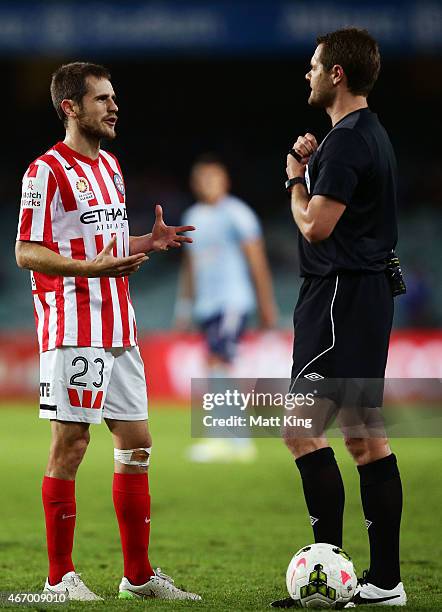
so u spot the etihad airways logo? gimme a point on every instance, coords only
(104, 215)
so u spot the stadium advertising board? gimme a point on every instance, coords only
(172, 360)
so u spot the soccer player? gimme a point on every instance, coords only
(343, 200)
(222, 276)
(74, 237)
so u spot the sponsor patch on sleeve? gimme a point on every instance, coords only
(32, 193)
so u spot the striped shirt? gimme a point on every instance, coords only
(74, 205)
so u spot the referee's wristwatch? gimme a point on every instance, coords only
(294, 181)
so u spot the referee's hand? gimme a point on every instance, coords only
(304, 146)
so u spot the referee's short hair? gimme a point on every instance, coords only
(69, 83)
(358, 54)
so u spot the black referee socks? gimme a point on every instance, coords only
(381, 494)
(324, 494)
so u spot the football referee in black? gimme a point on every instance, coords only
(343, 200)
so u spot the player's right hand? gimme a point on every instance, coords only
(106, 264)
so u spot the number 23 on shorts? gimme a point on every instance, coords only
(86, 377)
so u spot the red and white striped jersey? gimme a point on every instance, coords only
(74, 205)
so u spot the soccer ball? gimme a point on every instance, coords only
(321, 576)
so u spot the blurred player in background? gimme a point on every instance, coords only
(74, 237)
(222, 280)
(343, 199)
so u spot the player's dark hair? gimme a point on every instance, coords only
(358, 54)
(69, 83)
(209, 158)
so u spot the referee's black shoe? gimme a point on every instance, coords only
(287, 602)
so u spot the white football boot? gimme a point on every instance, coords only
(160, 586)
(73, 586)
(367, 593)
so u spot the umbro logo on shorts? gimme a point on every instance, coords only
(313, 520)
(85, 399)
(313, 376)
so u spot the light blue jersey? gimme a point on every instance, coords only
(221, 275)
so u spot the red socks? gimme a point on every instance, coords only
(132, 506)
(59, 506)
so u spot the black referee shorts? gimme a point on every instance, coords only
(342, 328)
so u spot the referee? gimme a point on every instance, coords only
(343, 200)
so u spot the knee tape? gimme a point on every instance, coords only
(133, 456)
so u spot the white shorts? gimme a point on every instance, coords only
(84, 384)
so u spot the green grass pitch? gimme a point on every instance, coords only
(225, 531)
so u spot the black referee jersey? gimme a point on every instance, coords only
(354, 164)
(344, 312)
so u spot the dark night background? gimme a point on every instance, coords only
(248, 108)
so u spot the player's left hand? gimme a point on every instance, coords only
(304, 146)
(165, 236)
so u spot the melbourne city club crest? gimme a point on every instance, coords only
(118, 182)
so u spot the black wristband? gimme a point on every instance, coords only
(293, 153)
(294, 181)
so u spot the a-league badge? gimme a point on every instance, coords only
(82, 185)
(84, 190)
